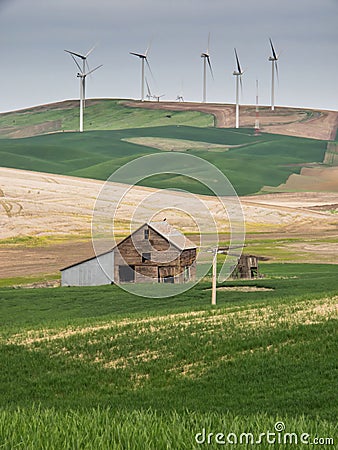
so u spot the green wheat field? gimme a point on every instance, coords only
(100, 368)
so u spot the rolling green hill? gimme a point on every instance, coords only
(250, 162)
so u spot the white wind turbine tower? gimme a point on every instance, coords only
(143, 57)
(238, 73)
(206, 59)
(180, 97)
(273, 59)
(82, 74)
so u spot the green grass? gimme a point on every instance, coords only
(99, 365)
(17, 281)
(102, 428)
(269, 159)
(41, 241)
(99, 115)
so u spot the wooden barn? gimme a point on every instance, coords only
(154, 253)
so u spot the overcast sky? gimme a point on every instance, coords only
(36, 70)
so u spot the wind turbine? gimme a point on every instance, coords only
(149, 95)
(180, 97)
(206, 59)
(157, 97)
(273, 58)
(143, 57)
(82, 74)
(238, 73)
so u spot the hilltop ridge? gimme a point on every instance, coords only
(110, 114)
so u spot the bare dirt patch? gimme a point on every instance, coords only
(243, 288)
(50, 126)
(316, 124)
(317, 179)
(177, 145)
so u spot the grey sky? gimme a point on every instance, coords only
(35, 69)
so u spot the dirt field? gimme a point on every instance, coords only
(319, 179)
(38, 204)
(308, 123)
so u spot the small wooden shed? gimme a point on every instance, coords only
(154, 253)
(247, 267)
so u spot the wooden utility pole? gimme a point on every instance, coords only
(214, 277)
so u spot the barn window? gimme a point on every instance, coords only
(186, 273)
(146, 233)
(168, 279)
(146, 257)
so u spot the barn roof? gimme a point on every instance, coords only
(172, 235)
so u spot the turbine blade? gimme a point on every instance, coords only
(78, 65)
(273, 50)
(148, 88)
(240, 81)
(277, 74)
(211, 71)
(89, 52)
(88, 68)
(208, 43)
(239, 69)
(76, 54)
(93, 70)
(148, 48)
(137, 54)
(151, 73)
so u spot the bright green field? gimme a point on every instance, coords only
(100, 368)
(99, 115)
(255, 162)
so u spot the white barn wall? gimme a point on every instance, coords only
(94, 272)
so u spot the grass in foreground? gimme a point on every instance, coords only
(35, 428)
(103, 364)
